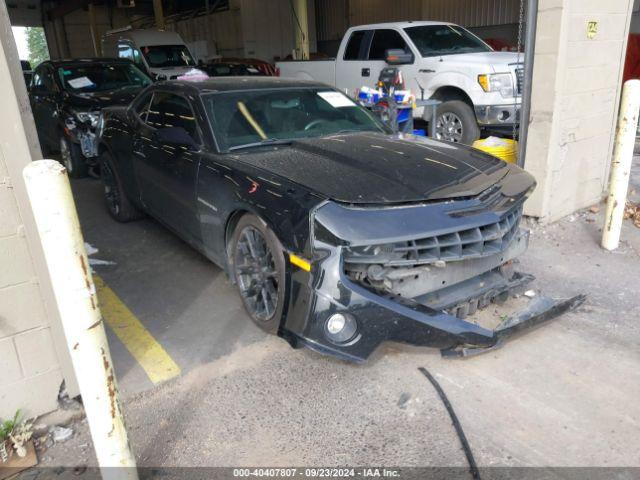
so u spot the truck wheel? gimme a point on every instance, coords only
(456, 122)
(72, 158)
(118, 205)
(257, 264)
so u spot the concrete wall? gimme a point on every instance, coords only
(576, 88)
(33, 355)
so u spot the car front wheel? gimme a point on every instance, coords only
(116, 200)
(72, 158)
(456, 122)
(258, 267)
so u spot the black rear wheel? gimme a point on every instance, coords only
(257, 261)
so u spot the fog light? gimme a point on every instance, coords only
(341, 328)
(336, 323)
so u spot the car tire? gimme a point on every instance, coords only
(72, 158)
(118, 204)
(456, 122)
(256, 260)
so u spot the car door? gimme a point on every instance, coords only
(44, 97)
(167, 173)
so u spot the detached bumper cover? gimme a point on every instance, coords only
(381, 319)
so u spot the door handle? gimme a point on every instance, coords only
(426, 70)
(366, 72)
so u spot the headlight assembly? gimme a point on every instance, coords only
(88, 117)
(497, 82)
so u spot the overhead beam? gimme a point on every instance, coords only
(301, 26)
(158, 14)
(66, 8)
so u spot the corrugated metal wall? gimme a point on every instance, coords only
(268, 28)
(332, 14)
(222, 32)
(472, 13)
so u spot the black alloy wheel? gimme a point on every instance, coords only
(258, 268)
(118, 205)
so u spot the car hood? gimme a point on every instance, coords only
(99, 100)
(374, 168)
(496, 60)
(168, 73)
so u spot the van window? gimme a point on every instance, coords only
(159, 56)
(384, 40)
(127, 51)
(352, 52)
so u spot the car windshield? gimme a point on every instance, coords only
(247, 118)
(435, 40)
(159, 56)
(101, 77)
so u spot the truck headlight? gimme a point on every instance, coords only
(497, 82)
(88, 117)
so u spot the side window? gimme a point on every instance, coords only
(384, 40)
(352, 52)
(125, 51)
(171, 110)
(43, 81)
(36, 81)
(142, 108)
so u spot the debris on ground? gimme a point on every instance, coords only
(61, 434)
(594, 209)
(530, 293)
(632, 212)
(91, 250)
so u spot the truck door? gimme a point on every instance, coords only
(352, 69)
(383, 40)
(371, 45)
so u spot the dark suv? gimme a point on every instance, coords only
(66, 99)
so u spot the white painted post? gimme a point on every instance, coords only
(59, 229)
(621, 163)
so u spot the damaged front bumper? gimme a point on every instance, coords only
(426, 303)
(84, 134)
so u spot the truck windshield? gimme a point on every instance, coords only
(436, 40)
(101, 77)
(159, 56)
(250, 118)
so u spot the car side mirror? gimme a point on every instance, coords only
(40, 90)
(176, 137)
(397, 56)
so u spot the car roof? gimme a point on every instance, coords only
(86, 61)
(406, 24)
(225, 84)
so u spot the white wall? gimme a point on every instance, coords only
(576, 88)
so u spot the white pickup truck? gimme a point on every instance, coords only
(478, 87)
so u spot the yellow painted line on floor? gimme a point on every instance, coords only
(154, 359)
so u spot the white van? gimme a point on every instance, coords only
(161, 53)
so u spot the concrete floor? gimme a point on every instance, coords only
(563, 395)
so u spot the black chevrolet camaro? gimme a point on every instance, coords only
(338, 234)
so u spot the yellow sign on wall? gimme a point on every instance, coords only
(592, 30)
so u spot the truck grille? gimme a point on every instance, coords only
(481, 241)
(519, 80)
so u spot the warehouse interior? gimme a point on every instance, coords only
(576, 87)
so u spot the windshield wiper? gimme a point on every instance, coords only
(262, 143)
